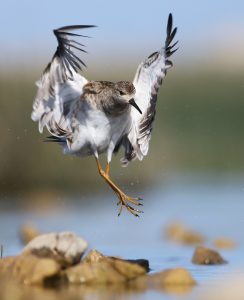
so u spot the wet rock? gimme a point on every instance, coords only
(224, 243)
(177, 276)
(29, 269)
(103, 270)
(174, 281)
(179, 233)
(96, 256)
(28, 232)
(175, 289)
(65, 247)
(144, 263)
(206, 256)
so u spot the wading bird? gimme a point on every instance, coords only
(95, 117)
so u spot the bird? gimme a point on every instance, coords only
(89, 118)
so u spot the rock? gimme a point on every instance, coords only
(40, 266)
(29, 269)
(28, 232)
(141, 262)
(173, 281)
(224, 243)
(176, 289)
(178, 233)
(65, 247)
(103, 270)
(205, 256)
(95, 256)
(177, 276)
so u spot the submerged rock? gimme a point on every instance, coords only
(179, 233)
(28, 232)
(65, 247)
(206, 256)
(97, 268)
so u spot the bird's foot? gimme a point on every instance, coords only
(127, 202)
(124, 200)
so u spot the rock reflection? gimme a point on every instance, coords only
(16, 291)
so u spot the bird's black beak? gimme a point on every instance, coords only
(133, 103)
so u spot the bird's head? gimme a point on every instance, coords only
(126, 91)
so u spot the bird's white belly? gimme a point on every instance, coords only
(97, 132)
(100, 132)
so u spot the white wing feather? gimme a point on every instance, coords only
(148, 79)
(60, 84)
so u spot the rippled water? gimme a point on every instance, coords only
(215, 208)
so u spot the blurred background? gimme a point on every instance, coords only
(199, 124)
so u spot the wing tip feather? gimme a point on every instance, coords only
(69, 61)
(171, 32)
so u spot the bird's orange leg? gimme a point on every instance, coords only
(124, 200)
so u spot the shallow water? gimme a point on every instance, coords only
(215, 208)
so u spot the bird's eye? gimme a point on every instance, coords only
(121, 93)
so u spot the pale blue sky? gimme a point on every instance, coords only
(127, 28)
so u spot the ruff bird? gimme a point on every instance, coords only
(95, 117)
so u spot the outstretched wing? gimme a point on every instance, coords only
(60, 84)
(148, 79)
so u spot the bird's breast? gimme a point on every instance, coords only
(96, 130)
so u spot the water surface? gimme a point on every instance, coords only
(215, 208)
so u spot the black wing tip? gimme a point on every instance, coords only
(171, 32)
(73, 27)
(66, 43)
(170, 19)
